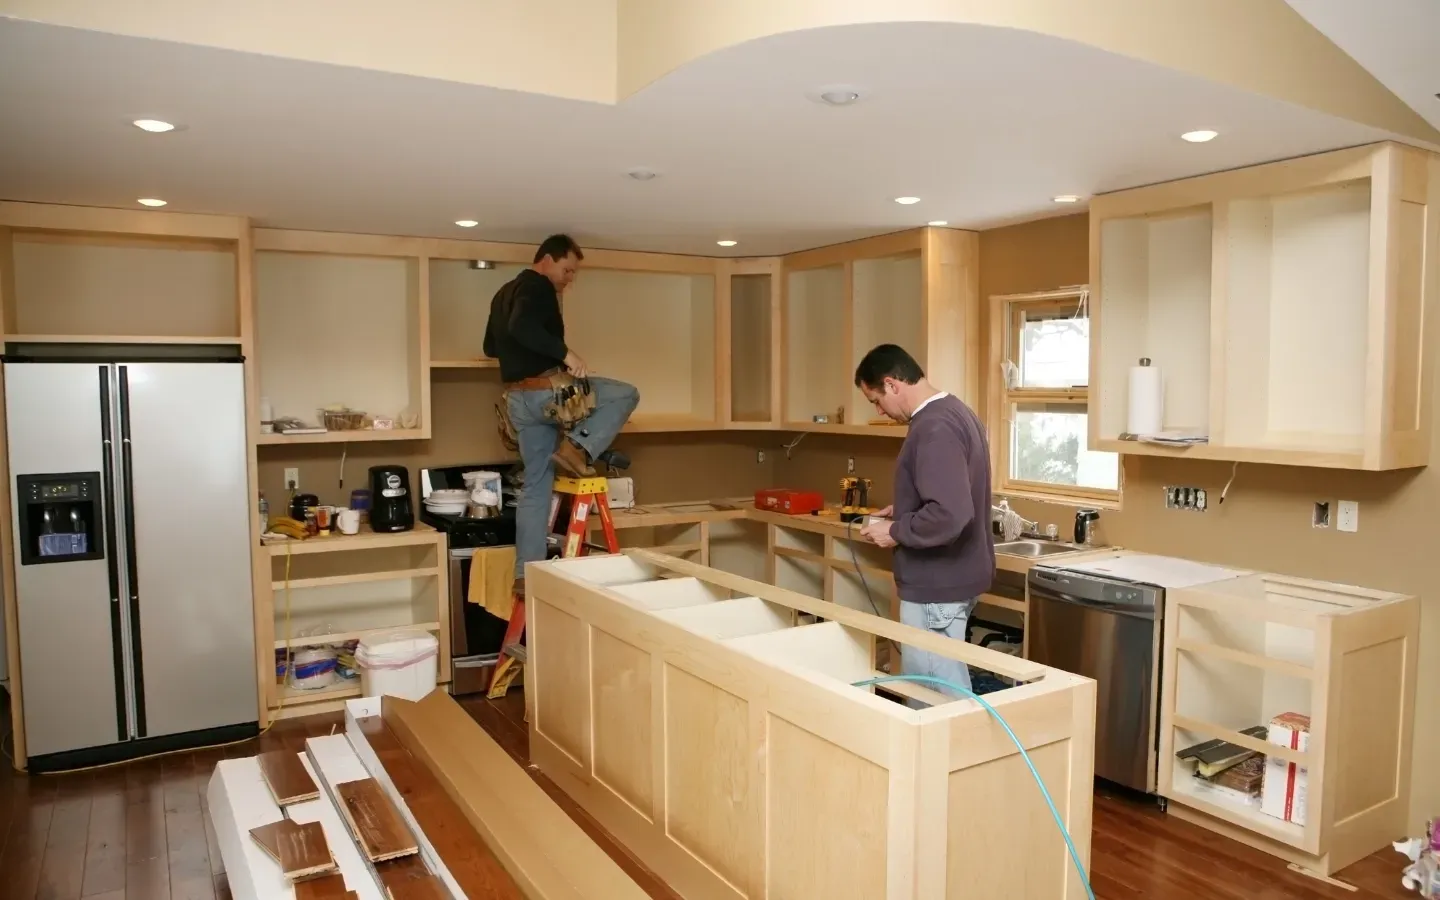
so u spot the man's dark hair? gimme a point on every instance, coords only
(887, 361)
(557, 247)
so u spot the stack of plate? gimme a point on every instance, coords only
(447, 502)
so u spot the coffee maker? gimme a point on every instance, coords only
(390, 507)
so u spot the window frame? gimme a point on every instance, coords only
(1007, 313)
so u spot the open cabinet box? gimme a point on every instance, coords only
(1238, 653)
(1283, 305)
(918, 289)
(698, 718)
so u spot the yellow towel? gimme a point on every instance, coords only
(492, 580)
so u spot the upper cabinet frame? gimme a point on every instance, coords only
(918, 288)
(1284, 305)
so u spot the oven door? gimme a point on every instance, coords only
(475, 634)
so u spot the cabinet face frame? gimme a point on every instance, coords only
(951, 344)
(1404, 185)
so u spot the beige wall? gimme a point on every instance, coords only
(1265, 520)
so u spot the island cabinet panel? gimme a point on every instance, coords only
(713, 724)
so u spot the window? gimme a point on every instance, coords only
(1041, 406)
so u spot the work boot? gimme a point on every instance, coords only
(571, 459)
(615, 459)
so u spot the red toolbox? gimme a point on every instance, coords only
(785, 500)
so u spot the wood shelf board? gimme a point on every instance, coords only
(346, 437)
(118, 339)
(291, 696)
(355, 578)
(1287, 833)
(1320, 459)
(865, 430)
(465, 363)
(341, 637)
(420, 534)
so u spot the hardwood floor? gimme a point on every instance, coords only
(141, 832)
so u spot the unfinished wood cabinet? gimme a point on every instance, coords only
(1238, 653)
(339, 588)
(756, 295)
(728, 748)
(77, 274)
(339, 329)
(460, 296)
(1283, 305)
(918, 289)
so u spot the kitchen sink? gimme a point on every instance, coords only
(1035, 548)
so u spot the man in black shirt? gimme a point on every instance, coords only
(526, 333)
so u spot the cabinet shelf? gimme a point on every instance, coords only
(341, 637)
(346, 437)
(1282, 305)
(356, 578)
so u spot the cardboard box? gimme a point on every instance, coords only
(1282, 794)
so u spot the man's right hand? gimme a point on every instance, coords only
(575, 364)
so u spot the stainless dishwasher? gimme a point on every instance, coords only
(1108, 629)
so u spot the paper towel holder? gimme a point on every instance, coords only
(1144, 360)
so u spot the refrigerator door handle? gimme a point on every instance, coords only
(132, 578)
(112, 562)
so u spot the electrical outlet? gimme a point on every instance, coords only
(1347, 516)
(849, 465)
(292, 479)
(759, 456)
(1320, 517)
(1192, 499)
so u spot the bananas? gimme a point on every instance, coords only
(289, 527)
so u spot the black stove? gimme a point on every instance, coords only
(462, 532)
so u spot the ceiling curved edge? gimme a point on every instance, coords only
(603, 51)
(1232, 42)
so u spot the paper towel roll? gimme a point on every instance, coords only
(1146, 399)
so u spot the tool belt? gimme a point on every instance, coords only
(571, 400)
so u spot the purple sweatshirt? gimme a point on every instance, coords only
(945, 552)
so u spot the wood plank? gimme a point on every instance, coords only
(408, 879)
(300, 850)
(286, 777)
(328, 887)
(474, 868)
(373, 820)
(544, 850)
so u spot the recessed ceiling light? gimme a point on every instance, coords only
(1199, 137)
(641, 174)
(937, 223)
(150, 201)
(906, 201)
(835, 95)
(1066, 198)
(727, 243)
(153, 125)
(466, 223)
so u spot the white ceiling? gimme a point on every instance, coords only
(984, 125)
(1398, 41)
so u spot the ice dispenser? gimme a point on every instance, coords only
(60, 518)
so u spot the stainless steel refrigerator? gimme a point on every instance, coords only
(131, 515)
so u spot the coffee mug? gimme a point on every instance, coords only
(349, 521)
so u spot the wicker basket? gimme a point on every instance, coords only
(343, 420)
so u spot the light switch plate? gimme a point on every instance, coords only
(1347, 516)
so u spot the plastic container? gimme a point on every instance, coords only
(399, 663)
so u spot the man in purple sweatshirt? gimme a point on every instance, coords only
(939, 524)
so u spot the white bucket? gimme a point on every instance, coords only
(399, 663)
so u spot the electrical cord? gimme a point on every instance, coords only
(850, 543)
(1044, 792)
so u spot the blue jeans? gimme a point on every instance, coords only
(947, 620)
(537, 436)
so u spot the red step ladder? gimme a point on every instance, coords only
(578, 498)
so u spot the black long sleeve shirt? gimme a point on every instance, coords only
(526, 331)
